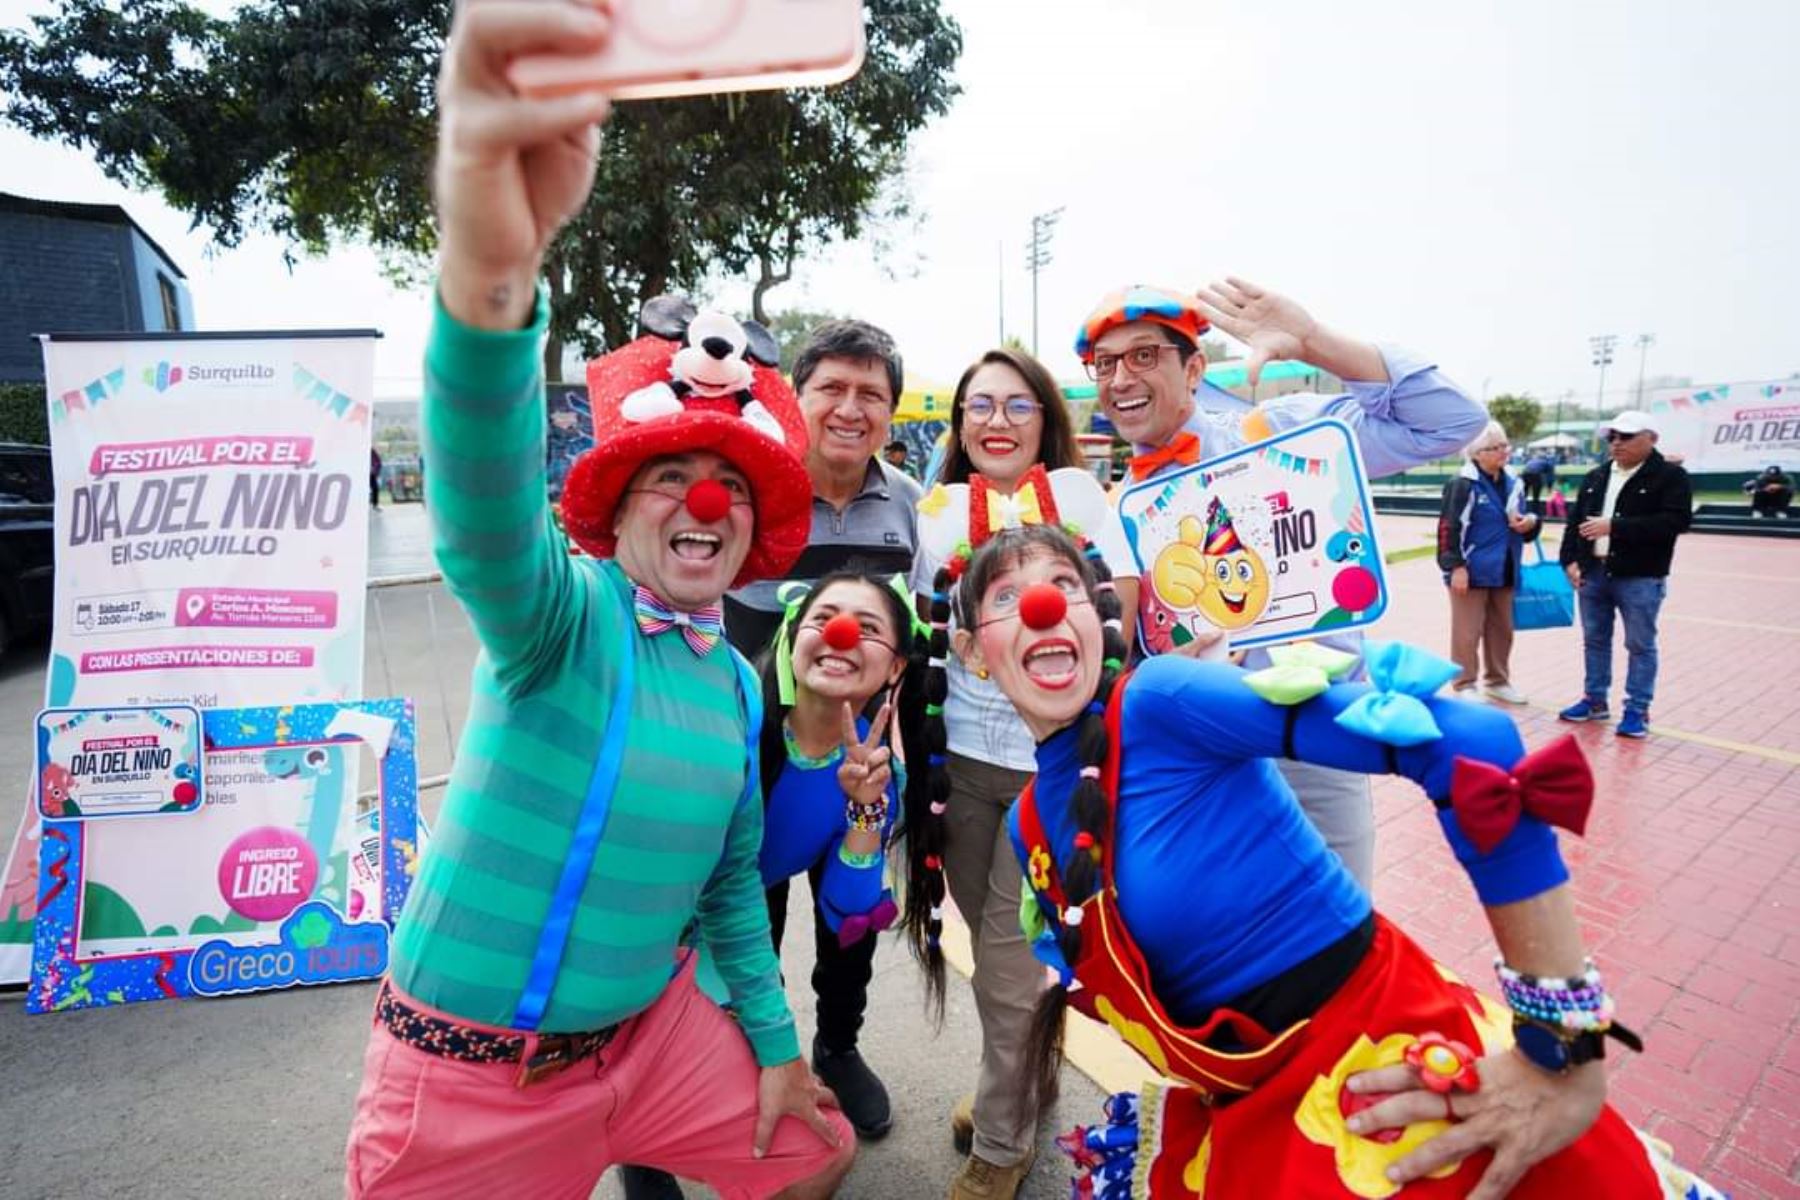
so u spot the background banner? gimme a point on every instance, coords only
(212, 533)
(1730, 426)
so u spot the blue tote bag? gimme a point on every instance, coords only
(1544, 598)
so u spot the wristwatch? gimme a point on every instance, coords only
(1560, 1051)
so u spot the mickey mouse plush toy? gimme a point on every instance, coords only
(715, 361)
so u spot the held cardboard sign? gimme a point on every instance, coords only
(1271, 543)
(271, 874)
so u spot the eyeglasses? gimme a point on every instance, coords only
(1614, 435)
(1491, 449)
(1138, 360)
(678, 492)
(1018, 409)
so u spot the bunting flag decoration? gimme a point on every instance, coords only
(166, 723)
(320, 392)
(89, 395)
(1299, 464)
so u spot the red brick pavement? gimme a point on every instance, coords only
(1686, 883)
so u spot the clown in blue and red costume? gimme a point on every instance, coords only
(1220, 939)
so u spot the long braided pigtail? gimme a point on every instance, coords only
(912, 705)
(926, 828)
(1081, 877)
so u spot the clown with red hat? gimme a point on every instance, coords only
(540, 1021)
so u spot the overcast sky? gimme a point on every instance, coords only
(1489, 182)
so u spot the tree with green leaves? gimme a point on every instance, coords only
(1518, 415)
(791, 327)
(315, 121)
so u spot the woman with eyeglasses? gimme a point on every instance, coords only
(1012, 444)
(1482, 530)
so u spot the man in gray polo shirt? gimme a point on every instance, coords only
(865, 513)
(865, 517)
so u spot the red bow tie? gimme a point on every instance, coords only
(1183, 451)
(1554, 784)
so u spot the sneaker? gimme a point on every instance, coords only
(1634, 723)
(859, 1091)
(962, 1125)
(1506, 693)
(648, 1183)
(1585, 709)
(980, 1179)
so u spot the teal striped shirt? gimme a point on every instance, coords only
(678, 847)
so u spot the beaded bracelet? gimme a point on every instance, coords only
(869, 817)
(1579, 1003)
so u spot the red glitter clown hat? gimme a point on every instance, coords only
(1141, 302)
(695, 381)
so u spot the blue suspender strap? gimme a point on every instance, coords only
(553, 940)
(751, 688)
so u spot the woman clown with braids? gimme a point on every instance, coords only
(1012, 461)
(1311, 1048)
(838, 786)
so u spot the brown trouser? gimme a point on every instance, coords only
(984, 881)
(1482, 618)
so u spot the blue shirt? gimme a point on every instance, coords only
(1221, 880)
(1417, 416)
(803, 827)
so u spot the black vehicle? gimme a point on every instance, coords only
(27, 540)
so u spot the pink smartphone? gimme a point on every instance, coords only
(692, 47)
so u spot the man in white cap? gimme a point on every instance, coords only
(1617, 548)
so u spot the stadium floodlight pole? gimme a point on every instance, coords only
(1037, 257)
(1000, 274)
(1602, 346)
(1643, 342)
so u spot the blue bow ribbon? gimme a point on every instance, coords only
(1394, 711)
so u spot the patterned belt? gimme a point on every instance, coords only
(548, 1053)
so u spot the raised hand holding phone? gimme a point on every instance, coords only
(511, 170)
(693, 47)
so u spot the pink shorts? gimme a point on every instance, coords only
(675, 1089)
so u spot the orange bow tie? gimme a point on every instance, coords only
(1184, 451)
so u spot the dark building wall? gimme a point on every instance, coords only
(61, 276)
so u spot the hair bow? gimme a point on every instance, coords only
(1554, 784)
(1394, 711)
(1301, 671)
(793, 595)
(855, 928)
(792, 598)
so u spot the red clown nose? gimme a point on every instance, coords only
(708, 501)
(843, 632)
(1042, 605)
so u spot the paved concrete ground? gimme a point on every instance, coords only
(1686, 886)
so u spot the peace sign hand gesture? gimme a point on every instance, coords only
(865, 771)
(1274, 327)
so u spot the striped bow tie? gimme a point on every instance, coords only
(701, 627)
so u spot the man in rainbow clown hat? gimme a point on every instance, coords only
(540, 1021)
(1141, 346)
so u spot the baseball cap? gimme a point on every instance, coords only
(1631, 421)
